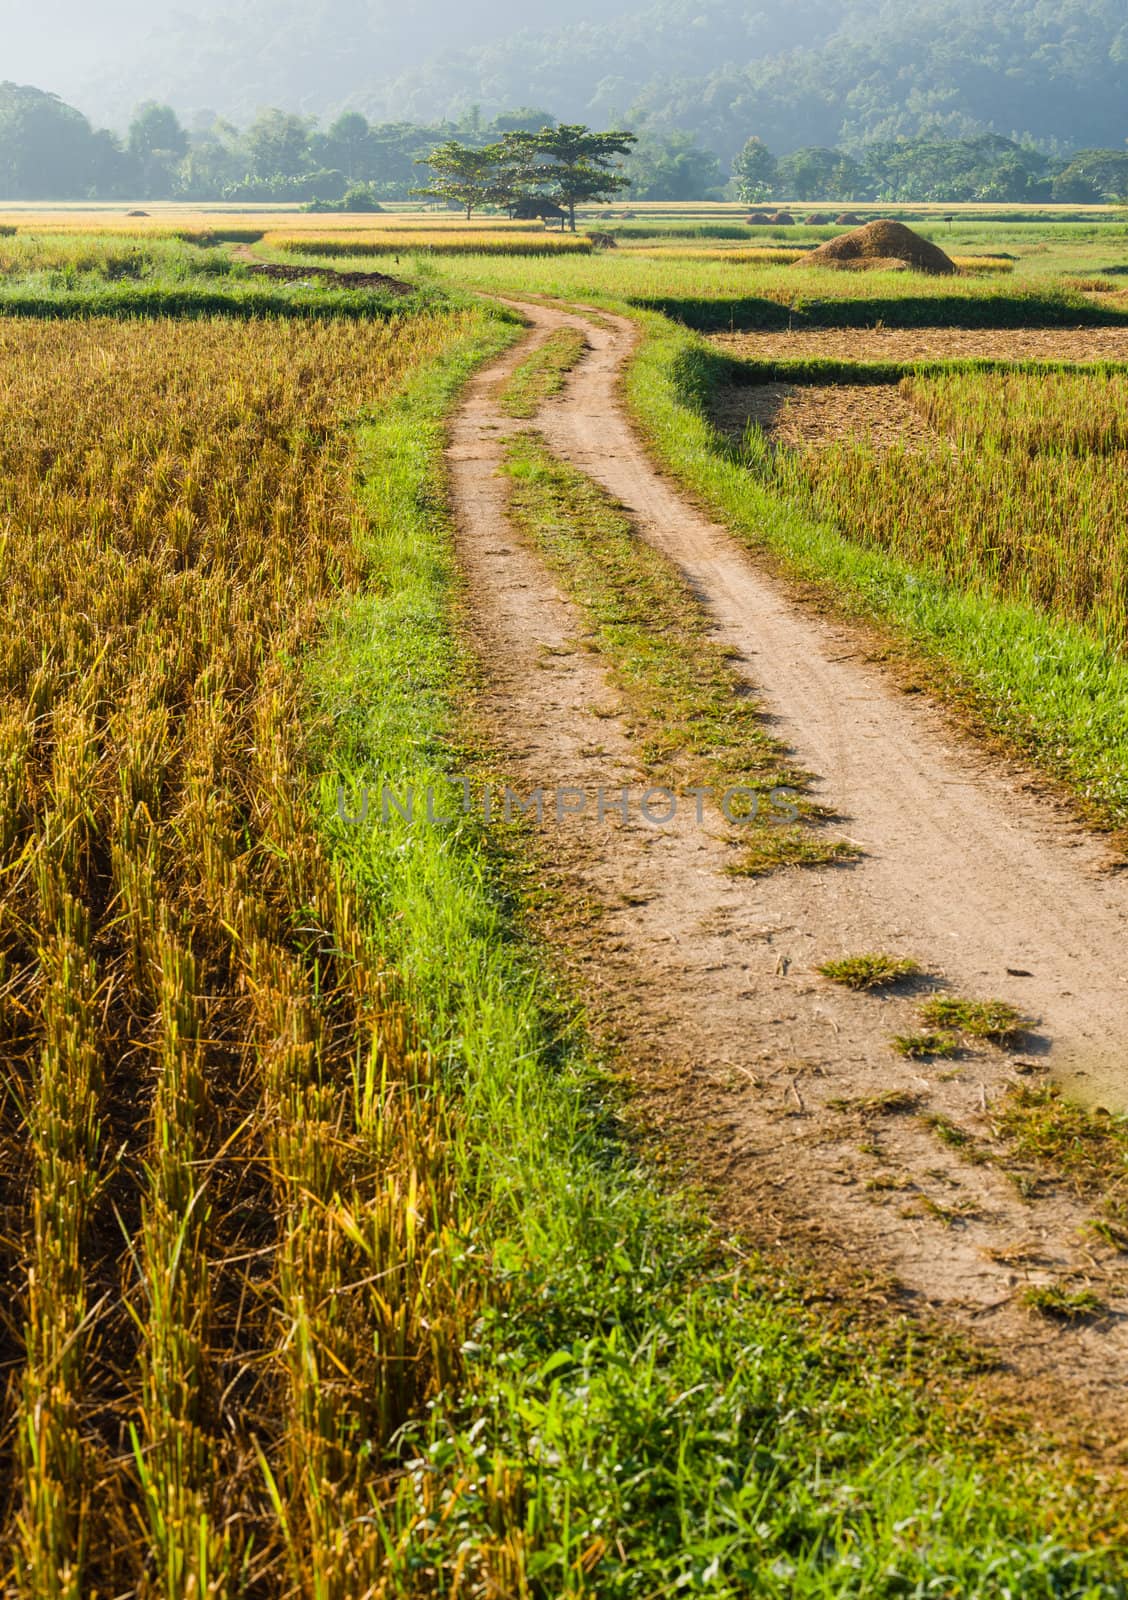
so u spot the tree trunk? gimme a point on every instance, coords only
(571, 214)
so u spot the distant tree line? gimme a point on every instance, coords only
(985, 168)
(50, 151)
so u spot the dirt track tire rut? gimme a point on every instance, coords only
(707, 982)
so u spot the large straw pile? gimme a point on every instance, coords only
(881, 245)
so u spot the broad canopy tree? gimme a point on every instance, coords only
(569, 165)
(463, 173)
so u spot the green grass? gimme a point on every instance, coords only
(642, 1412)
(543, 373)
(1064, 1305)
(693, 719)
(874, 970)
(980, 1019)
(750, 372)
(1087, 1150)
(1055, 691)
(867, 299)
(240, 299)
(716, 294)
(926, 1044)
(956, 1138)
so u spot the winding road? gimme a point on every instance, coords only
(779, 1081)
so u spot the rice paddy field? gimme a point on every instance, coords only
(202, 1060)
(1030, 501)
(331, 1264)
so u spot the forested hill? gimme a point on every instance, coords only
(833, 72)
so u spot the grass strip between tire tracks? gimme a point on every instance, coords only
(693, 721)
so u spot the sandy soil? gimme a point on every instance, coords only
(921, 344)
(770, 1077)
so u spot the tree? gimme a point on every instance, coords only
(214, 161)
(815, 173)
(987, 167)
(755, 171)
(48, 150)
(525, 119)
(158, 145)
(348, 145)
(156, 130)
(465, 174)
(572, 164)
(277, 145)
(1094, 175)
(674, 168)
(511, 183)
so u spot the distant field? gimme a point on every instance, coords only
(505, 240)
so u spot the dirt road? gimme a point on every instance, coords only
(777, 1079)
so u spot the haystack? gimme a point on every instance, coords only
(877, 246)
(783, 219)
(758, 219)
(849, 220)
(816, 219)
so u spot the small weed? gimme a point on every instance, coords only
(871, 971)
(955, 1138)
(890, 1102)
(948, 1215)
(1028, 1184)
(1064, 1305)
(1108, 1232)
(919, 1045)
(884, 1181)
(1088, 1149)
(792, 847)
(981, 1019)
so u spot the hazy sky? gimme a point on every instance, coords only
(105, 55)
(50, 39)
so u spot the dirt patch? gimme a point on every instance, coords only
(810, 416)
(930, 344)
(283, 272)
(780, 1087)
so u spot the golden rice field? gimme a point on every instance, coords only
(446, 242)
(1025, 492)
(217, 1136)
(110, 255)
(169, 220)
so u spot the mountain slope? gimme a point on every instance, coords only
(809, 72)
